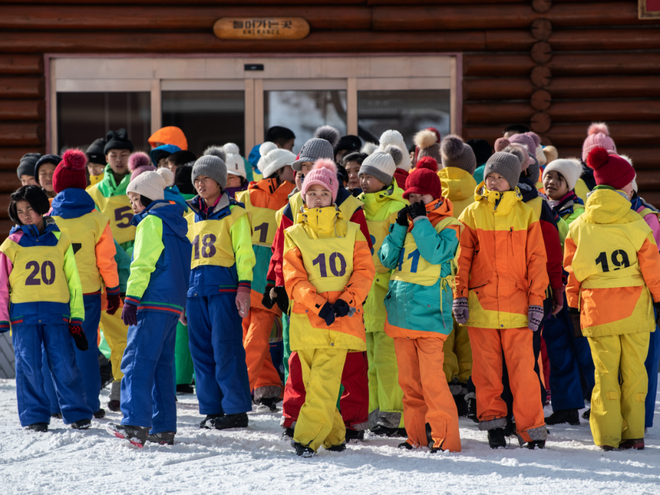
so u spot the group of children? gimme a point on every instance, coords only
(411, 286)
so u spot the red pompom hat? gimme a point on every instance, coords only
(610, 169)
(424, 179)
(70, 173)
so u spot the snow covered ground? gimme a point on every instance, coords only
(260, 461)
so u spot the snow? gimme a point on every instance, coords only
(259, 460)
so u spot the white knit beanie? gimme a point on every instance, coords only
(234, 160)
(148, 184)
(379, 165)
(570, 169)
(396, 139)
(275, 160)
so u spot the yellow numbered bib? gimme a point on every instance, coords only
(264, 224)
(378, 230)
(211, 240)
(118, 210)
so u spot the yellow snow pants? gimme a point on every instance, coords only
(385, 394)
(458, 355)
(115, 333)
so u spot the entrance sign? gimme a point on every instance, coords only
(261, 28)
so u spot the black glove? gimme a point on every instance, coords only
(76, 331)
(341, 308)
(656, 306)
(417, 210)
(282, 299)
(266, 300)
(327, 313)
(574, 315)
(402, 216)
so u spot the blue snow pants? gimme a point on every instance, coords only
(652, 362)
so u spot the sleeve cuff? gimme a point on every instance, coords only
(76, 321)
(245, 285)
(4, 326)
(112, 291)
(135, 301)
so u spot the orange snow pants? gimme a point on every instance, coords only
(426, 395)
(488, 344)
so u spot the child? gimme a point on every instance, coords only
(160, 154)
(25, 170)
(41, 294)
(43, 173)
(613, 270)
(418, 307)
(179, 158)
(219, 297)
(236, 177)
(499, 291)
(327, 272)
(262, 200)
(394, 138)
(559, 180)
(95, 161)
(94, 250)
(155, 298)
(382, 199)
(352, 163)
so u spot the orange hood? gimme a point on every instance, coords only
(169, 135)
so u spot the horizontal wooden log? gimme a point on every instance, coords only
(10, 157)
(653, 197)
(500, 41)
(435, 2)
(4, 206)
(497, 66)
(541, 76)
(316, 42)
(509, 88)
(605, 39)
(603, 110)
(648, 180)
(566, 64)
(9, 181)
(624, 134)
(225, 3)
(577, 14)
(21, 87)
(22, 109)
(488, 132)
(605, 87)
(21, 134)
(496, 113)
(21, 64)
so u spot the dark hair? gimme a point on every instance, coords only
(182, 157)
(33, 195)
(356, 156)
(145, 201)
(482, 150)
(279, 135)
(521, 128)
(183, 179)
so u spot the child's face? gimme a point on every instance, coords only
(420, 198)
(162, 163)
(370, 184)
(95, 168)
(234, 180)
(555, 185)
(171, 165)
(207, 188)
(136, 204)
(46, 176)
(286, 173)
(298, 179)
(318, 197)
(118, 160)
(496, 182)
(353, 170)
(26, 215)
(306, 167)
(28, 180)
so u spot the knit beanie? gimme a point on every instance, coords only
(27, 163)
(324, 174)
(424, 179)
(521, 154)
(348, 143)
(610, 169)
(314, 149)
(481, 149)
(149, 184)
(70, 173)
(526, 141)
(394, 138)
(215, 151)
(368, 148)
(54, 159)
(598, 136)
(117, 140)
(569, 169)
(234, 160)
(138, 163)
(380, 165)
(455, 153)
(210, 166)
(506, 164)
(274, 160)
(95, 152)
(501, 144)
(534, 170)
(427, 143)
(551, 154)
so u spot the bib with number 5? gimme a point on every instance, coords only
(118, 210)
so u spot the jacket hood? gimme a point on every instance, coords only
(374, 202)
(606, 205)
(169, 212)
(528, 189)
(72, 203)
(109, 187)
(502, 202)
(323, 223)
(31, 234)
(166, 149)
(458, 183)
(173, 194)
(169, 135)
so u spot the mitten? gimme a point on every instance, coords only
(114, 301)
(76, 331)
(574, 315)
(327, 314)
(243, 302)
(461, 311)
(266, 300)
(282, 299)
(341, 308)
(557, 300)
(129, 314)
(535, 317)
(402, 216)
(417, 210)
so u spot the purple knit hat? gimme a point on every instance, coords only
(138, 163)
(598, 137)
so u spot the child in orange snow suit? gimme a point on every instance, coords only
(613, 270)
(499, 291)
(262, 200)
(418, 303)
(328, 272)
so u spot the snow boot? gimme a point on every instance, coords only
(337, 448)
(471, 400)
(536, 443)
(384, 431)
(430, 442)
(137, 435)
(405, 445)
(99, 414)
(302, 451)
(569, 416)
(608, 448)
(357, 435)
(461, 405)
(632, 443)
(38, 427)
(239, 420)
(207, 422)
(162, 438)
(510, 428)
(81, 424)
(56, 416)
(185, 389)
(586, 414)
(288, 433)
(266, 405)
(115, 397)
(496, 438)
(105, 368)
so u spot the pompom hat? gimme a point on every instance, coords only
(598, 135)
(424, 179)
(324, 174)
(381, 165)
(139, 163)
(70, 173)
(427, 143)
(610, 169)
(570, 170)
(275, 160)
(234, 160)
(394, 138)
(455, 153)
(148, 184)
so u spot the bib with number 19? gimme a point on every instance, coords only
(118, 210)
(211, 240)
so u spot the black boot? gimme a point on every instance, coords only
(38, 427)
(586, 414)
(269, 402)
(207, 422)
(337, 448)
(137, 435)
(569, 416)
(162, 438)
(354, 435)
(56, 416)
(536, 443)
(461, 405)
(510, 428)
(288, 433)
(471, 400)
(239, 420)
(185, 388)
(405, 445)
(82, 424)
(496, 438)
(303, 451)
(99, 414)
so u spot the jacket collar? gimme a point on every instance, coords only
(457, 184)
(220, 210)
(322, 223)
(375, 201)
(72, 203)
(500, 202)
(32, 236)
(606, 205)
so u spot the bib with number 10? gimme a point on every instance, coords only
(118, 210)
(211, 240)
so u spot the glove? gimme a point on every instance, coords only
(574, 315)
(243, 303)
(183, 319)
(76, 331)
(282, 299)
(129, 314)
(417, 210)
(114, 301)
(535, 317)
(341, 308)
(327, 314)
(461, 311)
(402, 216)
(268, 301)
(557, 300)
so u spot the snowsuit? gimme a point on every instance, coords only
(419, 319)
(94, 250)
(354, 401)
(385, 394)
(325, 258)
(502, 271)
(46, 293)
(613, 268)
(157, 286)
(262, 200)
(222, 263)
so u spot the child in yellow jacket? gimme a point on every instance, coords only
(328, 272)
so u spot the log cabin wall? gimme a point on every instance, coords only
(556, 65)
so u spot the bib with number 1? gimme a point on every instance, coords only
(211, 240)
(263, 223)
(118, 210)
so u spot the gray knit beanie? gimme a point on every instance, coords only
(506, 164)
(213, 167)
(27, 163)
(534, 170)
(314, 149)
(380, 165)
(455, 153)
